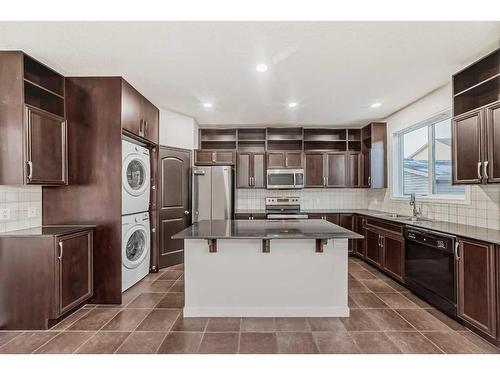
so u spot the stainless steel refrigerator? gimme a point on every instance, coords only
(213, 195)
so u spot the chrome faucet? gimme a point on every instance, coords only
(416, 212)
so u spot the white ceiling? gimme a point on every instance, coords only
(333, 70)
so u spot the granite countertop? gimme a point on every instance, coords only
(265, 229)
(47, 230)
(461, 230)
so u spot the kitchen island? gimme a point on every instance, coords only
(259, 268)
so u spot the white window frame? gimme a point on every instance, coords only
(397, 170)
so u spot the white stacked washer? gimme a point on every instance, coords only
(136, 239)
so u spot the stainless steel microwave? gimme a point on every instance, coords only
(285, 178)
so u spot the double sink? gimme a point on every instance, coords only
(403, 218)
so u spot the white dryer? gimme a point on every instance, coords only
(135, 178)
(136, 244)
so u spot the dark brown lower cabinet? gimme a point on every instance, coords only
(359, 247)
(74, 277)
(393, 254)
(477, 285)
(373, 250)
(249, 216)
(44, 275)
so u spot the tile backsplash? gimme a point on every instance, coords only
(311, 199)
(23, 205)
(483, 210)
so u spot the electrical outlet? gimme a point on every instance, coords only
(32, 212)
(4, 213)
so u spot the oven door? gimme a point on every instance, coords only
(280, 179)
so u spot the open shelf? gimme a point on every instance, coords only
(39, 75)
(354, 134)
(251, 146)
(477, 74)
(218, 135)
(284, 134)
(325, 135)
(284, 145)
(40, 98)
(218, 145)
(251, 134)
(354, 146)
(477, 96)
(325, 145)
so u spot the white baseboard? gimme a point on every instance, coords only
(193, 312)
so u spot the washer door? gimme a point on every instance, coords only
(135, 177)
(135, 246)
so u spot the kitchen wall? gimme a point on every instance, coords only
(19, 200)
(481, 209)
(177, 130)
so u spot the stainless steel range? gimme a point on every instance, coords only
(283, 208)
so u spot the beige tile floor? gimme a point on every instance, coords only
(385, 318)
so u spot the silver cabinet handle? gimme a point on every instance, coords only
(141, 127)
(213, 157)
(457, 257)
(485, 169)
(146, 127)
(369, 180)
(479, 171)
(60, 250)
(186, 212)
(30, 169)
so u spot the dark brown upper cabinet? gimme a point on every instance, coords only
(250, 170)
(477, 284)
(476, 122)
(210, 157)
(139, 116)
(477, 132)
(374, 155)
(332, 169)
(32, 122)
(284, 159)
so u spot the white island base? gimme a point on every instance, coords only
(240, 280)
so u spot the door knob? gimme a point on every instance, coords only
(186, 212)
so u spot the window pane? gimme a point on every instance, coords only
(442, 160)
(416, 162)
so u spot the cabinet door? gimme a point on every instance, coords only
(373, 246)
(132, 109)
(393, 251)
(46, 155)
(276, 159)
(293, 159)
(243, 170)
(259, 171)
(74, 270)
(467, 148)
(354, 169)
(337, 169)
(347, 221)
(314, 170)
(224, 157)
(360, 248)
(150, 116)
(203, 157)
(477, 284)
(493, 139)
(366, 169)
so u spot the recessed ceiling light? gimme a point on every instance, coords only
(376, 105)
(292, 105)
(261, 68)
(208, 105)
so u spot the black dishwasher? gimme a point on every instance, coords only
(430, 268)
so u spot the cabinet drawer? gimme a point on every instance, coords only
(384, 226)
